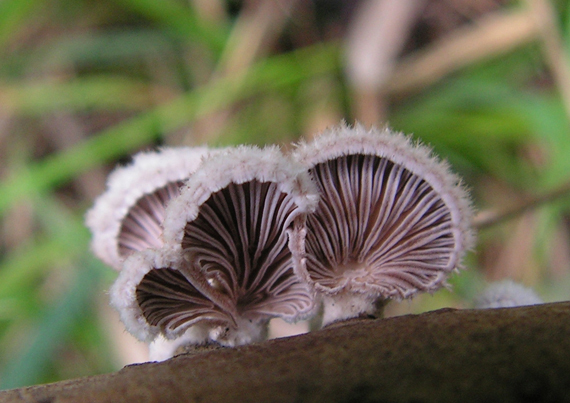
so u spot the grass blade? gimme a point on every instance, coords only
(268, 75)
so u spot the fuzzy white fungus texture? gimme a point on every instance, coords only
(506, 294)
(161, 349)
(128, 216)
(392, 220)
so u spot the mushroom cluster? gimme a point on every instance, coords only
(212, 244)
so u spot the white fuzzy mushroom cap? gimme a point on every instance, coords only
(149, 172)
(392, 220)
(506, 294)
(160, 273)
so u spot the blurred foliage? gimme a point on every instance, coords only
(84, 84)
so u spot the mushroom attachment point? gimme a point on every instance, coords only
(128, 216)
(231, 225)
(392, 220)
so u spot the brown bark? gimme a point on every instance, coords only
(504, 355)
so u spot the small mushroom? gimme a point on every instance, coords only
(128, 216)
(229, 227)
(154, 297)
(392, 220)
(506, 294)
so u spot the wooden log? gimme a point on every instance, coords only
(508, 355)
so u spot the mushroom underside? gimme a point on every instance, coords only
(239, 243)
(237, 269)
(142, 226)
(378, 227)
(169, 301)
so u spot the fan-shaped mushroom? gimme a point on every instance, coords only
(128, 216)
(154, 296)
(392, 220)
(230, 226)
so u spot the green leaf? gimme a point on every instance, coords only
(95, 92)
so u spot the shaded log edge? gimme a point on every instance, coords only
(508, 355)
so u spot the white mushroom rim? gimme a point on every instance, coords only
(128, 216)
(392, 220)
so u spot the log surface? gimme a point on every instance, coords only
(504, 355)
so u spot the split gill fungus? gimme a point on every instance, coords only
(214, 244)
(230, 226)
(392, 220)
(128, 216)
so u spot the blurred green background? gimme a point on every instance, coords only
(86, 83)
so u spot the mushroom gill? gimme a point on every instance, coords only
(128, 216)
(392, 221)
(154, 296)
(239, 242)
(142, 226)
(382, 225)
(231, 224)
(169, 301)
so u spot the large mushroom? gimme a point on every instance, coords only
(392, 220)
(128, 216)
(230, 226)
